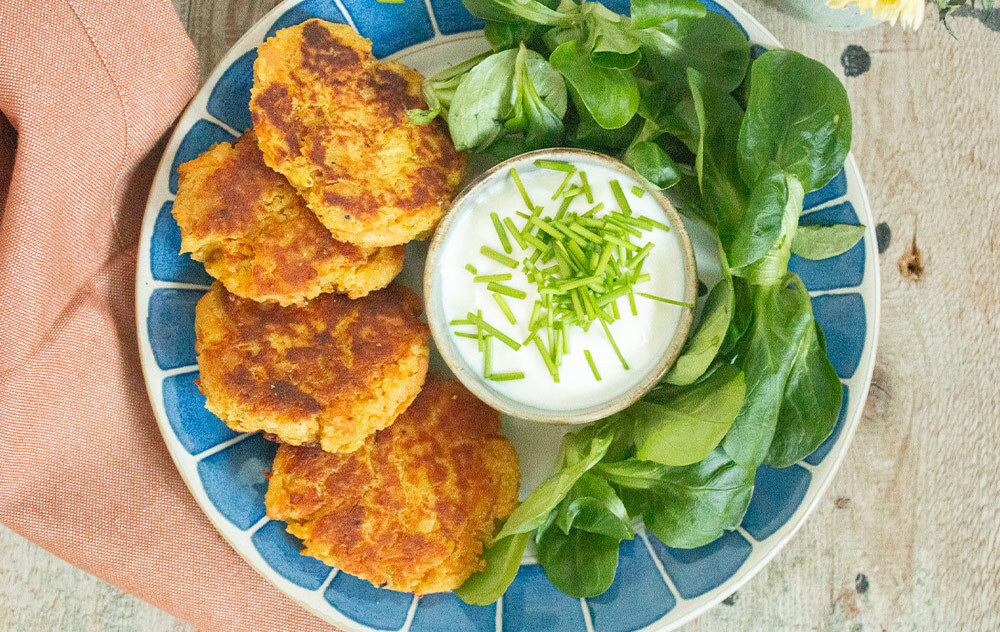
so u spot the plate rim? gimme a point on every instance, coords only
(143, 279)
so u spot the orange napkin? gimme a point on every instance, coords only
(90, 87)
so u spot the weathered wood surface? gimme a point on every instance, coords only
(908, 535)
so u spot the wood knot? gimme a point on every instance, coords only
(911, 263)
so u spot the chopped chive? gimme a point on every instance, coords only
(480, 334)
(562, 185)
(586, 187)
(638, 191)
(545, 227)
(520, 187)
(488, 356)
(515, 233)
(631, 302)
(625, 228)
(553, 371)
(493, 331)
(564, 335)
(575, 283)
(664, 300)
(642, 278)
(593, 367)
(577, 305)
(614, 309)
(579, 228)
(536, 242)
(486, 278)
(505, 308)
(614, 345)
(493, 286)
(620, 242)
(462, 334)
(554, 165)
(639, 222)
(656, 224)
(593, 210)
(562, 207)
(501, 233)
(623, 206)
(498, 257)
(506, 377)
(471, 268)
(613, 295)
(459, 322)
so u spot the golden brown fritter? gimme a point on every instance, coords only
(411, 509)
(255, 234)
(331, 371)
(333, 120)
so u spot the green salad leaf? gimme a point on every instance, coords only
(652, 163)
(798, 117)
(579, 563)
(763, 245)
(514, 11)
(592, 505)
(610, 95)
(503, 559)
(822, 242)
(685, 507)
(649, 13)
(781, 317)
(535, 509)
(683, 425)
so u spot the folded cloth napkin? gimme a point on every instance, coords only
(90, 87)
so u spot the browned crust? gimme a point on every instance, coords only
(410, 509)
(333, 120)
(254, 233)
(332, 371)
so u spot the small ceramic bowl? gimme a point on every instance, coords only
(445, 342)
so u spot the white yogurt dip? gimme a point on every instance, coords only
(642, 338)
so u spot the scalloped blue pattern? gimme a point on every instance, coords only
(234, 479)
(638, 596)
(824, 448)
(777, 493)
(230, 98)
(835, 188)
(170, 327)
(200, 137)
(697, 571)
(380, 21)
(165, 261)
(444, 612)
(844, 270)
(194, 426)
(842, 317)
(452, 17)
(533, 604)
(322, 9)
(361, 601)
(281, 551)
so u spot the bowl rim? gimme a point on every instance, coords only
(444, 343)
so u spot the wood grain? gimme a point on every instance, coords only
(907, 536)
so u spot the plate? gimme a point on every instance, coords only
(656, 587)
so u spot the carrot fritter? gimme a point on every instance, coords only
(412, 508)
(333, 120)
(255, 234)
(331, 372)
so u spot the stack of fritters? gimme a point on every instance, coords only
(303, 222)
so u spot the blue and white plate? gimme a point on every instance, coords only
(656, 588)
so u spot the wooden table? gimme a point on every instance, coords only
(908, 535)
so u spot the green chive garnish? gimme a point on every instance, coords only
(499, 288)
(501, 233)
(486, 278)
(493, 331)
(554, 165)
(593, 367)
(498, 257)
(515, 233)
(520, 187)
(471, 268)
(462, 334)
(664, 300)
(586, 187)
(637, 191)
(488, 356)
(614, 345)
(616, 189)
(505, 308)
(553, 371)
(506, 377)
